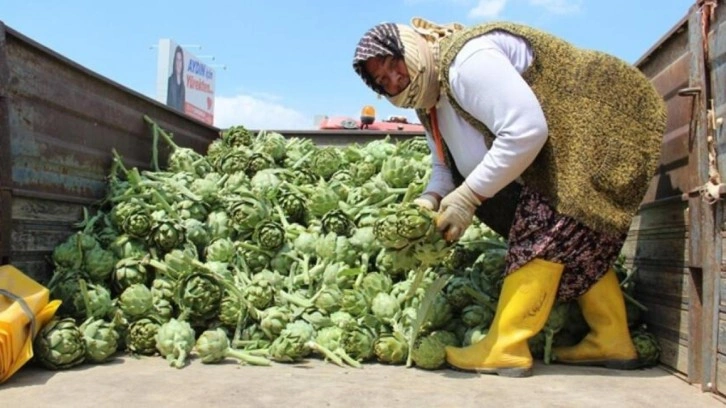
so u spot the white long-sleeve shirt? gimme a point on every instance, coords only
(485, 78)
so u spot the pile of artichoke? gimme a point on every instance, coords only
(273, 249)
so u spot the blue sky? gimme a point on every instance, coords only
(289, 60)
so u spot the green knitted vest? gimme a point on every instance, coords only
(605, 124)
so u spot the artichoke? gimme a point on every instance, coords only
(231, 310)
(477, 315)
(199, 295)
(362, 171)
(101, 339)
(60, 344)
(269, 235)
(274, 145)
(274, 319)
(93, 301)
(429, 353)
(391, 349)
(294, 206)
(398, 172)
(213, 347)
(174, 341)
(326, 162)
(328, 299)
(261, 290)
(68, 254)
(338, 222)
(135, 301)
(246, 211)
(191, 210)
(385, 307)
(237, 136)
(167, 235)
(647, 347)
(220, 250)
(129, 271)
(137, 220)
(358, 343)
(258, 161)
(98, 264)
(355, 302)
(141, 336)
(292, 343)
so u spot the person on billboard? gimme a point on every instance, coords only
(572, 137)
(175, 92)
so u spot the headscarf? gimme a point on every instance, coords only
(418, 44)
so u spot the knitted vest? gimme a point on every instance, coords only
(605, 123)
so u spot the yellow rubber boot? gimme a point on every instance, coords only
(608, 344)
(524, 306)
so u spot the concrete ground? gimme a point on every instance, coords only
(150, 382)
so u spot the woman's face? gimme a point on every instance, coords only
(389, 73)
(178, 62)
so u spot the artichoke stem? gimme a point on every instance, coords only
(329, 355)
(247, 357)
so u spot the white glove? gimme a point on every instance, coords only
(428, 202)
(456, 212)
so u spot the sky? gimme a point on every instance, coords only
(280, 63)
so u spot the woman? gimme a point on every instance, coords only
(567, 138)
(175, 92)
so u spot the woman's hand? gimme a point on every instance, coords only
(428, 201)
(456, 212)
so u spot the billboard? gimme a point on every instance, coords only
(184, 82)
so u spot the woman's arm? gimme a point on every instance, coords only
(487, 85)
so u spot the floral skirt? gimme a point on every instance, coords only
(538, 231)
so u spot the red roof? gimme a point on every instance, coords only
(344, 122)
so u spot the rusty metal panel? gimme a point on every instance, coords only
(5, 163)
(58, 125)
(717, 77)
(658, 239)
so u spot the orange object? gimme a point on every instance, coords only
(438, 141)
(368, 110)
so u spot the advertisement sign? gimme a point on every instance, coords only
(184, 82)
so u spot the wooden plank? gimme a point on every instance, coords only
(721, 373)
(722, 334)
(672, 214)
(674, 355)
(661, 287)
(38, 210)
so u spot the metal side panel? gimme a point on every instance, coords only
(657, 241)
(59, 123)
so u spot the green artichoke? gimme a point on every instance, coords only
(292, 343)
(391, 349)
(429, 353)
(338, 222)
(326, 162)
(231, 310)
(221, 250)
(358, 343)
(385, 306)
(101, 339)
(213, 347)
(141, 336)
(269, 235)
(261, 290)
(199, 295)
(174, 341)
(135, 301)
(60, 344)
(98, 264)
(274, 319)
(647, 347)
